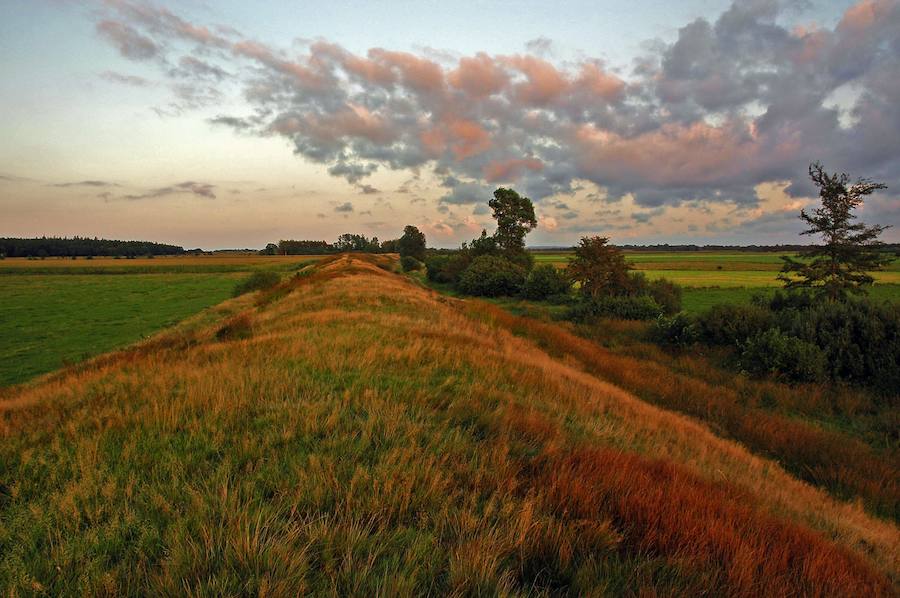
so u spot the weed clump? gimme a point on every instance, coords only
(236, 328)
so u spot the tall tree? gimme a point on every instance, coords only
(598, 267)
(412, 243)
(515, 219)
(841, 265)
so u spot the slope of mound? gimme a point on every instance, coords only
(352, 433)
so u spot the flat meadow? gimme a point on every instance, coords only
(55, 312)
(713, 277)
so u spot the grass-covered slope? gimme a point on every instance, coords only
(352, 433)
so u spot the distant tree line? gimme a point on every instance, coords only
(82, 246)
(346, 242)
(780, 249)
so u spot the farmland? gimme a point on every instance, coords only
(711, 277)
(60, 311)
(370, 436)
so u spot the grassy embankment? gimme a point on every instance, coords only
(59, 311)
(366, 435)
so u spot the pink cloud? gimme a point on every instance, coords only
(467, 138)
(507, 170)
(544, 82)
(418, 73)
(597, 83)
(863, 15)
(479, 76)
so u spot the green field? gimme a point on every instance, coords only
(712, 277)
(59, 311)
(47, 321)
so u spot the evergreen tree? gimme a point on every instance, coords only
(850, 250)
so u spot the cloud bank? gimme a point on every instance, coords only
(730, 104)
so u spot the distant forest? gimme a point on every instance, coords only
(82, 246)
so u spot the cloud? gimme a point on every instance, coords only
(132, 80)
(730, 103)
(87, 184)
(127, 40)
(188, 187)
(190, 66)
(344, 207)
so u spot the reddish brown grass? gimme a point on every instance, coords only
(847, 466)
(661, 509)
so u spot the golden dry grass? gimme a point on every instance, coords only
(372, 437)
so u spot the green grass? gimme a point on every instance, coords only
(47, 321)
(698, 299)
(711, 277)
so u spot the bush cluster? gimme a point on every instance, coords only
(623, 307)
(796, 338)
(545, 281)
(492, 276)
(409, 263)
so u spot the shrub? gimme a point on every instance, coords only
(860, 339)
(733, 324)
(787, 357)
(236, 328)
(667, 294)
(783, 300)
(544, 281)
(680, 330)
(446, 268)
(257, 282)
(624, 307)
(409, 263)
(492, 276)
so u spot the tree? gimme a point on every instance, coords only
(390, 246)
(271, 249)
(515, 219)
(412, 243)
(850, 250)
(599, 268)
(483, 245)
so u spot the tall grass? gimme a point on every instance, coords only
(845, 465)
(372, 438)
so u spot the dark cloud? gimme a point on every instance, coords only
(729, 104)
(344, 207)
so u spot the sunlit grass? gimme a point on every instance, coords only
(371, 437)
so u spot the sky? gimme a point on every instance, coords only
(233, 124)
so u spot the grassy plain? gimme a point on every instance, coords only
(371, 437)
(711, 277)
(59, 311)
